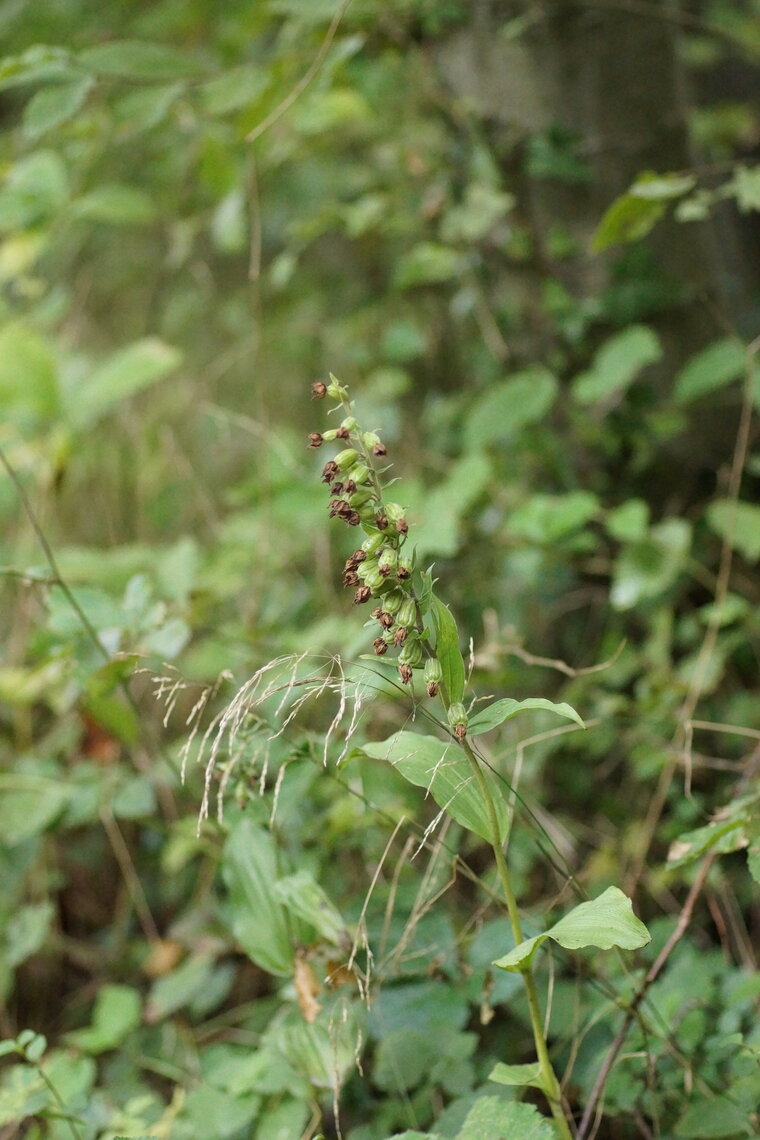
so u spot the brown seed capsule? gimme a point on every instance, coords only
(350, 578)
(353, 518)
(402, 526)
(329, 471)
(432, 689)
(363, 594)
(379, 449)
(402, 573)
(379, 646)
(385, 570)
(405, 672)
(314, 439)
(381, 521)
(342, 433)
(400, 635)
(349, 487)
(460, 731)
(318, 390)
(386, 620)
(337, 488)
(358, 556)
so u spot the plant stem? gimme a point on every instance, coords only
(549, 1081)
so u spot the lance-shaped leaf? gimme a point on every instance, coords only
(517, 1075)
(255, 914)
(447, 650)
(500, 711)
(444, 771)
(604, 922)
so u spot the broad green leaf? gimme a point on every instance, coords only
(503, 710)
(181, 987)
(302, 895)
(38, 64)
(447, 649)
(713, 1116)
(636, 212)
(117, 1013)
(729, 835)
(30, 806)
(627, 219)
(647, 568)
(54, 105)
(737, 523)
(116, 204)
(547, 518)
(254, 914)
(745, 187)
(518, 1075)
(605, 922)
(510, 405)
(617, 364)
(135, 59)
(714, 367)
(28, 381)
(444, 771)
(493, 1117)
(236, 87)
(26, 930)
(128, 371)
(427, 264)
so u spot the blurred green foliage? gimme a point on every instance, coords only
(573, 421)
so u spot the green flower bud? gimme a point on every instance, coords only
(458, 716)
(329, 436)
(388, 557)
(411, 653)
(374, 579)
(433, 671)
(372, 545)
(358, 473)
(336, 390)
(349, 423)
(359, 498)
(394, 512)
(407, 614)
(392, 601)
(346, 458)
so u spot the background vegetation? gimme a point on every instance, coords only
(526, 236)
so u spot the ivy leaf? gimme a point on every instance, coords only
(501, 711)
(604, 922)
(445, 773)
(447, 650)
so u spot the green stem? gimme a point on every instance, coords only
(549, 1081)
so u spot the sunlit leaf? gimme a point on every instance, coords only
(503, 710)
(605, 922)
(447, 649)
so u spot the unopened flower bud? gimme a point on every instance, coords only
(360, 474)
(314, 439)
(363, 594)
(318, 390)
(373, 543)
(336, 390)
(458, 719)
(395, 511)
(346, 458)
(407, 613)
(349, 424)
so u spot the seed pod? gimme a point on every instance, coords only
(388, 557)
(379, 646)
(394, 512)
(433, 670)
(318, 390)
(406, 673)
(372, 544)
(400, 636)
(349, 424)
(336, 390)
(407, 613)
(359, 498)
(363, 594)
(386, 620)
(411, 654)
(392, 601)
(432, 689)
(346, 458)
(314, 439)
(359, 473)
(457, 715)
